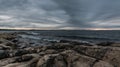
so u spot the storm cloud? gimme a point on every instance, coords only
(60, 14)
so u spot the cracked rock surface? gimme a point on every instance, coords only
(16, 51)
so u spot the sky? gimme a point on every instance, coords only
(60, 14)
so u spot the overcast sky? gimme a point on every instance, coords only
(60, 14)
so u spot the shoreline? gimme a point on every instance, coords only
(22, 51)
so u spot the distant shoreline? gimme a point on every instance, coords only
(51, 30)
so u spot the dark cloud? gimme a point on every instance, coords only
(31, 13)
(60, 14)
(84, 12)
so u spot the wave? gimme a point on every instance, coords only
(89, 37)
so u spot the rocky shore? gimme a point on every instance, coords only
(18, 51)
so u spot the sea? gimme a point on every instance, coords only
(83, 35)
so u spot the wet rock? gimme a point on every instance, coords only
(3, 54)
(115, 45)
(64, 41)
(21, 52)
(105, 43)
(22, 45)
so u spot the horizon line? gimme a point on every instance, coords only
(59, 29)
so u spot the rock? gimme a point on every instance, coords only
(64, 41)
(92, 51)
(67, 58)
(75, 59)
(24, 58)
(46, 61)
(112, 56)
(22, 45)
(8, 43)
(105, 43)
(7, 61)
(60, 61)
(16, 65)
(21, 52)
(18, 52)
(3, 54)
(4, 47)
(15, 40)
(103, 64)
(59, 46)
(115, 45)
(8, 36)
